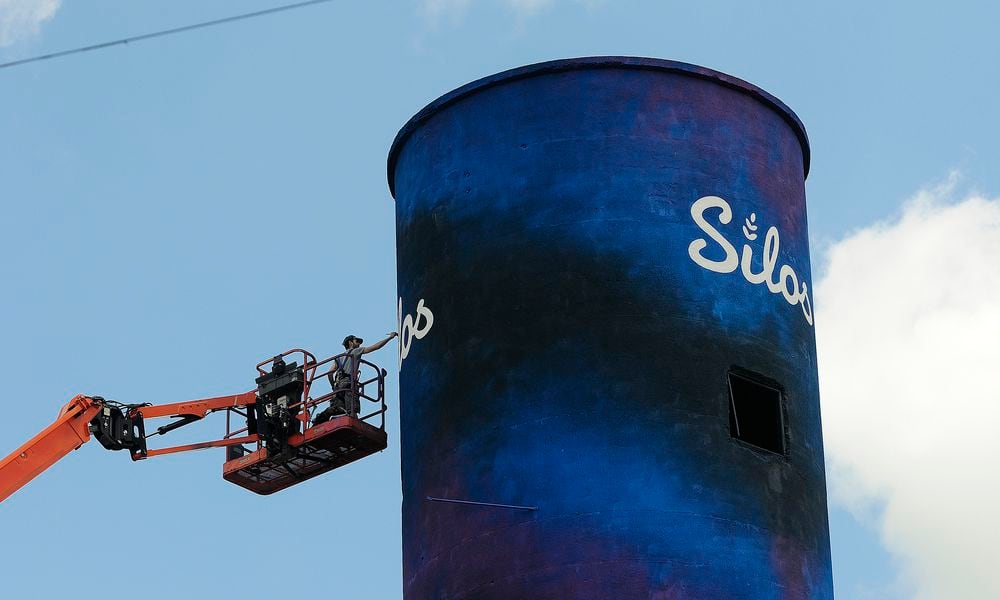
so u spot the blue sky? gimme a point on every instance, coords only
(173, 210)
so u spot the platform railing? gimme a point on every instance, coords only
(366, 381)
(367, 377)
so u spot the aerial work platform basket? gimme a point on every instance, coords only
(280, 445)
(309, 449)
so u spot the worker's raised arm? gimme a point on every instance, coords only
(378, 345)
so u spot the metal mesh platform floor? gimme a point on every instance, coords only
(339, 441)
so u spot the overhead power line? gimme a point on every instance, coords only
(165, 32)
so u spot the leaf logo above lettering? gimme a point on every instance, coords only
(749, 227)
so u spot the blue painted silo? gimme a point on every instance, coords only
(608, 371)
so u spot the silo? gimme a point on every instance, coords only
(608, 381)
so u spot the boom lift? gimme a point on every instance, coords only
(276, 447)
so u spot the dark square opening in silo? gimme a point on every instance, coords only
(755, 413)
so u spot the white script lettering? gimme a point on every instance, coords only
(787, 283)
(410, 328)
(727, 265)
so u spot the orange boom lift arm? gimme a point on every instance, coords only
(68, 433)
(278, 446)
(114, 428)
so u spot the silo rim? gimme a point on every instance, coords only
(571, 64)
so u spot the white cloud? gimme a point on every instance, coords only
(21, 18)
(908, 332)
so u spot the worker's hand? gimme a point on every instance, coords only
(392, 334)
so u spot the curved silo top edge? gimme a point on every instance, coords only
(596, 62)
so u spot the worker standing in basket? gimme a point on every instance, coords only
(345, 400)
